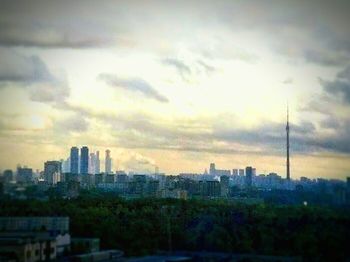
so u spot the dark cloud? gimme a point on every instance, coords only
(134, 85)
(337, 88)
(180, 66)
(331, 122)
(49, 38)
(336, 142)
(50, 25)
(32, 73)
(335, 123)
(18, 68)
(326, 57)
(344, 74)
(335, 94)
(313, 30)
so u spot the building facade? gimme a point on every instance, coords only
(52, 172)
(74, 160)
(84, 160)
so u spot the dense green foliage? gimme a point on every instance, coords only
(144, 226)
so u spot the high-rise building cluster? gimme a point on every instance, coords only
(85, 163)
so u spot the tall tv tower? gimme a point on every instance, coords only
(287, 130)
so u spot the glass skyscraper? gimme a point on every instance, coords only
(74, 160)
(84, 160)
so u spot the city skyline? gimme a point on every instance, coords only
(66, 166)
(177, 85)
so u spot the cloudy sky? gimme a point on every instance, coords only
(177, 84)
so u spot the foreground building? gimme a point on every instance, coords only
(33, 238)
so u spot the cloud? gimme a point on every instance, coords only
(32, 73)
(139, 163)
(208, 68)
(75, 123)
(134, 85)
(54, 25)
(325, 57)
(338, 89)
(49, 92)
(333, 105)
(51, 38)
(219, 134)
(180, 66)
(288, 81)
(334, 98)
(344, 74)
(209, 134)
(338, 141)
(18, 68)
(331, 122)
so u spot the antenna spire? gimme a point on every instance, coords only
(287, 130)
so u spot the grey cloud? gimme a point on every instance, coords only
(326, 57)
(330, 122)
(337, 88)
(304, 127)
(314, 30)
(49, 92)
(338, 142)
(134, 85)
(344, 74)
(213, 135)
(269, 134)
(335, 93)
(180, 66)
(50, 38)
(208, 68)
(75, 123)
(32, 73)
(335, 124)
(51, 25)
(270, 138)
(18, 68)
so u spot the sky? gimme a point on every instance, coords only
(177, 84)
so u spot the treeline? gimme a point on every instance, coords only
(144, 226)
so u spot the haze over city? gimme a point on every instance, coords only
(177, 85)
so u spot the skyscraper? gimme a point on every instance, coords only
(97, 162)
(108, 162)
(84, 160)
(287, 130)
(92, 161)
(66, 165)
(248, 176)
(212, 169)
(224, 185)
(24, 174)
(74, 160)
(52, 172)
(8, 175)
